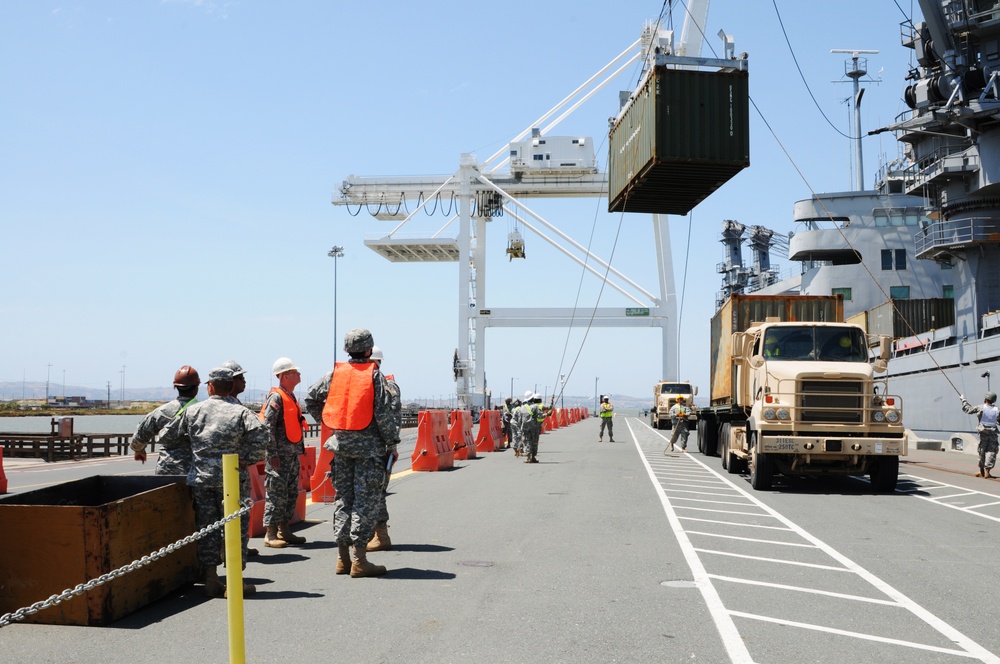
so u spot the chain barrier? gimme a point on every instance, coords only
(69, 593)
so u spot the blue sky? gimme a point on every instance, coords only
(167, 169)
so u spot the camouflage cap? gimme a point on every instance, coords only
(233, 366)
(220, 375)
(358, 340)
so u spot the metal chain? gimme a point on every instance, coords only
(69, 593)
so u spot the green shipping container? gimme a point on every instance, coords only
(685, 134)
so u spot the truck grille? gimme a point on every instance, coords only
(833, 401)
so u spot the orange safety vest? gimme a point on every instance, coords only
(295, 424)
(350, 403)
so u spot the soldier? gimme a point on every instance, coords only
(531, 425)
(239, 380)
(171, 462)
(988, 414)
(282, 416)
(240, 384)
(518, 421)
(380, 541)
(207, 431)
(354, 401)
(607, 420)
(679, 420)
(508, 410)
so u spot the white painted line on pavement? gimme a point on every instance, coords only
(779, 561)
(751, 539)
(800, 589)
(731, 639)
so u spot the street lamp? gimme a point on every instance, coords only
(562, 390)
(335, 253)
(596, 401)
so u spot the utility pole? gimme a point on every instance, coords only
(335, 253)
(109, 394)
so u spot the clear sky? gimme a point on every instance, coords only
(167, 169)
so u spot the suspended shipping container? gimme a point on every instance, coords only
(683, 136)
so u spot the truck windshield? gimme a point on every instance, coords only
(808, 342)
(679, 388)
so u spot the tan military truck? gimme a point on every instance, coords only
(665, 395)
(793, 392)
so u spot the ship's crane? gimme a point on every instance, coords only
(540, 164)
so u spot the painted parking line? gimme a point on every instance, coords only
(673, 502)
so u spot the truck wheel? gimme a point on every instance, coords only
(884, 474)
(724, 449)
(652, 420)
(711, 437)
(701, 435)
(668, 425)
(761, 467)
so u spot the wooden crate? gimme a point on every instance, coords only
(67, 534)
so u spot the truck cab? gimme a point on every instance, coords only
(665, 395)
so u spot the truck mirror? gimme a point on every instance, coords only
(757, 361)
(695, 393)
(880, 365)
(884, 347)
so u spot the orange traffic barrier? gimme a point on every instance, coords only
(460, 435)
(547, 424)
(563, 417)
(320, 484)
(307, 466)
(258, 494)
(3, 476)
(489, 439)
(432, 451)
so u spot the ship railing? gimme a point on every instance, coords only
(945, 161)
(956, 233)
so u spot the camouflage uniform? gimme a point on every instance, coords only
(679, 420)
(988, 444)
(282, 483)
(172, 461)
(246, 486)
(358, 467)
(208, 430)
(382, 513)
(529, 416)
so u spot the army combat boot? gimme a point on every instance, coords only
(982, 471)
(287, 535)
(213, 585)
(272, 540)
(343, 559)
(361, 566)
(380, 540)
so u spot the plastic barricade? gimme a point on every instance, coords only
(563, 418)
(498, 431)
(547, 424)
(258, 494)
(320, 484)
(432, 451)
(460, 435)
(3, 475)
(307, 467)
(487, 439)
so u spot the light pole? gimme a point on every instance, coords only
(48, 371)
(64, 385)
(562, 390)
(596, 401)
(335, 253)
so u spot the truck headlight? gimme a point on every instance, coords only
(878, 416)
(768, 413)
(782, 414)
(892, 415)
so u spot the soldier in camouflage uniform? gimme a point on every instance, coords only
(239, 385)
(209, 430)
(282, 416)
(380, 540)
(532, 414)
(354, 400)
(171, 461)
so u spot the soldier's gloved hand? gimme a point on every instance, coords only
(275, 462)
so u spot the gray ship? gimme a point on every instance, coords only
(918, 257)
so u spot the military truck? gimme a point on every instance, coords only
(794, 392)
(665, 395)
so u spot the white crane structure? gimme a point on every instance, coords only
(540, 165)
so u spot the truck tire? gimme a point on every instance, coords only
(711, 444)
(701, 435)
(724, 434)
(884, 474)
(761, 467)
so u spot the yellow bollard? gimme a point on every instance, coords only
(234, 558)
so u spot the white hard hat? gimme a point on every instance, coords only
(283, 364)
(528, 395)
(376, 354)
(536, 396)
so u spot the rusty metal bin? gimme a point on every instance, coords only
(70, 533)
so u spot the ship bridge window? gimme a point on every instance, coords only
(846, 292)
(948, 292)
(899, 292)
(894, 259)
